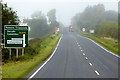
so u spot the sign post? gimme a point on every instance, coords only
(22, 51)
(16, 52)
(10, 53)
(16, 37)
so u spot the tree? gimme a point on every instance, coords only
(0, 21)
(111, 15)
(38, 15)
(90, 17)
(51, 15)
(107, 29)
(52, 19)
(9, 17)
(38, 25)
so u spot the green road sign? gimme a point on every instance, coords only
(15, 36)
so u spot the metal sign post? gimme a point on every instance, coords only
(22, 51)
(16, 52)
(10, 53)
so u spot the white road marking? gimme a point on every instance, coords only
(83, 53)
(103, 47)
(45, 61)
(90, 64)
(97, 72)
(86, 58)
(78, 45)
(81, 50)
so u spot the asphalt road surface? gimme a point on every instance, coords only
(79, 57)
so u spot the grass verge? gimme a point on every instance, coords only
(108, 43)
(19, 69)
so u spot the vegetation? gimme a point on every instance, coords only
(93, 16)
(52, 19)
(107, 42)
(107, 29)
(41, 42)
(38, 51)
(105, 24)
(41, 25)
(9, 17)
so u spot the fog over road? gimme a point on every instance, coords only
(78, 57)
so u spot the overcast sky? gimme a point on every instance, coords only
(65, 9)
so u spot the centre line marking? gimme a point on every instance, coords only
(90, 64)
(46, 60)
(97, 72)
(86, 58)
(83, 53)
(81, 50)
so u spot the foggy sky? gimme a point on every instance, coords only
(65, 10)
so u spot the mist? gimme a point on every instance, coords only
(64, 10)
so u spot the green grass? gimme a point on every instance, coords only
(108, 43)
(20, 69)
(31, 38)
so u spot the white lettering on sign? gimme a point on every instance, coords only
(11, 31)
(15, 41)
(12, 34)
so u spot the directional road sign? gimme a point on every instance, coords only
(15, 36)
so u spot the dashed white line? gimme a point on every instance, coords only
(86, 58)
(103, 47)
(81, 50)
(83, 53)
(78, 45)
(90, 64)
(97, 72)
(46, 61)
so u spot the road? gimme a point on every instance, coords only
(78, 57)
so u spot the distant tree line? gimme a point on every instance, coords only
(41, 25)
(104, 22)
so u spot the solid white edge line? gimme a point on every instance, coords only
(102, 47)
(46, 61)
(97, 72)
